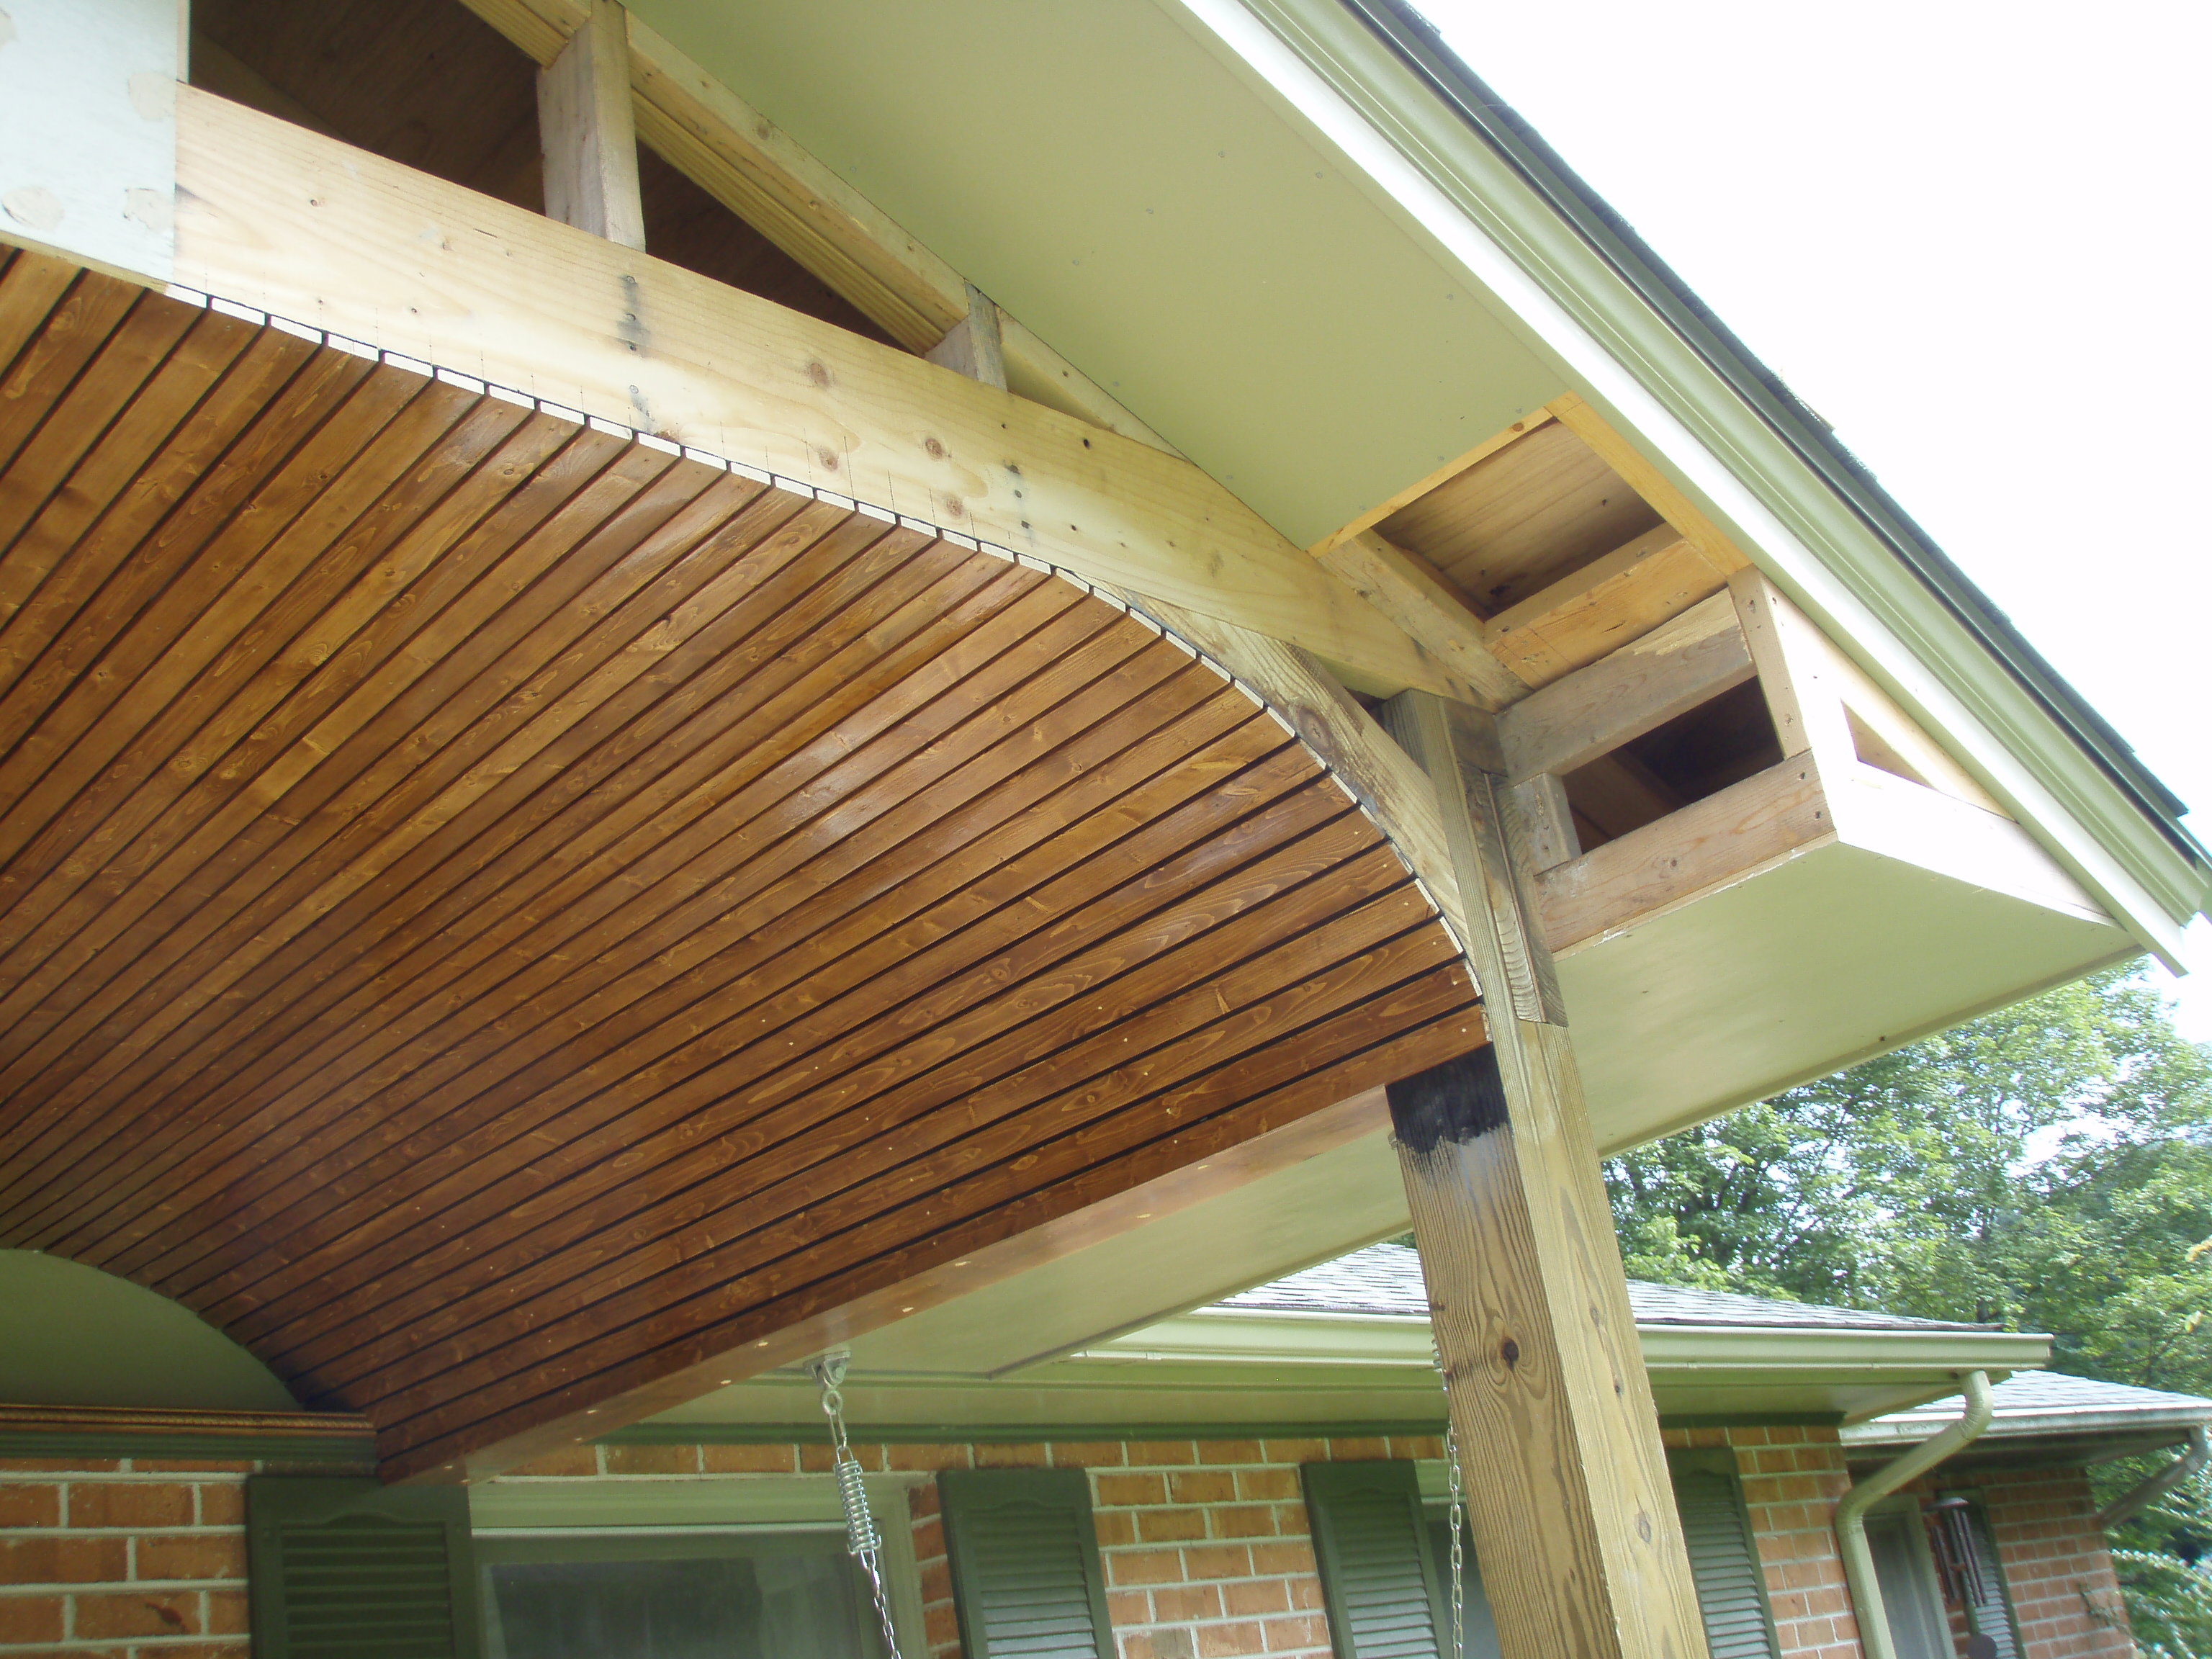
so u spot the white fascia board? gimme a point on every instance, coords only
(1275, 1338)
(1346, 90)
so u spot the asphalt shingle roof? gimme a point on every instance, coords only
(1386, 1279)
(2050, 1397)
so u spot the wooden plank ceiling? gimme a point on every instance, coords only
(493, 913)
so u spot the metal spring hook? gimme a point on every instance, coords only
(861, 1539)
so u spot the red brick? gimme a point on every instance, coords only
(1118, 1491)
(1171, 1526)
(748, 1459)
(926, 1457)
(1114, 1527)
(196, 1556)
(1155, 1454)
(30, 1618)
(1125, 1567)
(1421, 1448)
(129, 1504)
(31, 1506)
(940, 1624)
(1126, 1608)
(1218, 1452)
(1230, 1641)
(54, 1560)
(229, 1612)
(1011, 1457)
(1186, 1603)
(189, 1466)
(1245, 1520)
(1358, 1449)
(222, 1505)
(59, 1465)
(1305, 1631)
(1289, 1556)
(652, 1460)
(1087, 1453)
(127, 1613)
(1256, 1596)
(569, 1460)
(1269, 1484)
(1298, 1451)
(1219, 1561)
(1202, 1486)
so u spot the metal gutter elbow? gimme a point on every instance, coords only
(2139, 1497)
(1850, 1512)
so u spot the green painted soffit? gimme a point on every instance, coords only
(1103, 176)
(72, 1335)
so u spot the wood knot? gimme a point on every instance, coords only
(1509, 1352)
(1643, 1525)
(933, 449)
(819, 374)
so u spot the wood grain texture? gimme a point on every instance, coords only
(1436, 615)
(495, 914)
(1569, 1503)
(586, 132)
(308, 229)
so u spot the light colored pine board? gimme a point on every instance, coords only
(586, 132)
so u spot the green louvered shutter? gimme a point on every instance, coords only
(1723, 1559)
(1991, 1613)
(1025, 1578)
(1371, 1536)
(353, 1570)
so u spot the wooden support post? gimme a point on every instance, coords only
(1548, 821)
(1572, 1513)
(587, 131)
(973, 347)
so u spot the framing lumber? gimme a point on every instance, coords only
(1639, 688)
(1547, 819)
(1588, 614)
(1404, 589)
(1442, 475)
(586, 133)
(756, 170)
(1568, 1501)
(1719, 550)
(310, 229)
(975, 347)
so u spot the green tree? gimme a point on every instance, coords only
(2047, 1167)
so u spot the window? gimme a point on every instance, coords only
(675, 1593)
(1905, 1570)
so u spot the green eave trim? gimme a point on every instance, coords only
(955, 1434)
(1412, 90)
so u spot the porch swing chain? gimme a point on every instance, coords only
(1458, 1516)
(861, 1536)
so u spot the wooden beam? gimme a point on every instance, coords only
(1568, 1498)
(1639, 688)
(1710, 844)
(975, 347)
(1547, 819)
(586, 133)
(1443, 475)
(1591, 613)
(757, 171)
(1404, 589)
(1720, 552)
(308, 229)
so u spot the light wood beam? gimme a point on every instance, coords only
(1639, 688)
(975, 347)
(1719, 549)
(1569, 1507)
(308, 229)
(757, 171)
(586, 132)
(1547, 819)
(1436, 480)
(1403, 589)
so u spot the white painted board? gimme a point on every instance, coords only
(88, 130)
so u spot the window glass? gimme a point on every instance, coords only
(1902, 1566)
(662, 1593)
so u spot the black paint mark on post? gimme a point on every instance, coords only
(1450, 1104)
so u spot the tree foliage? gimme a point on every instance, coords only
(2047, 1167)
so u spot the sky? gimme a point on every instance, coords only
(1973, 237)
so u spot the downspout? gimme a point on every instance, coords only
(2139, 1497)
(1850, 1512)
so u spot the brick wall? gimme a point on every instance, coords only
(1792, 1478)
(123, 1557)
(2057, 1563)
(1204, 1543)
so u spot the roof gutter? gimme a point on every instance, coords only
(1416, 44)
(2140, 1497)
(1850, 1513)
